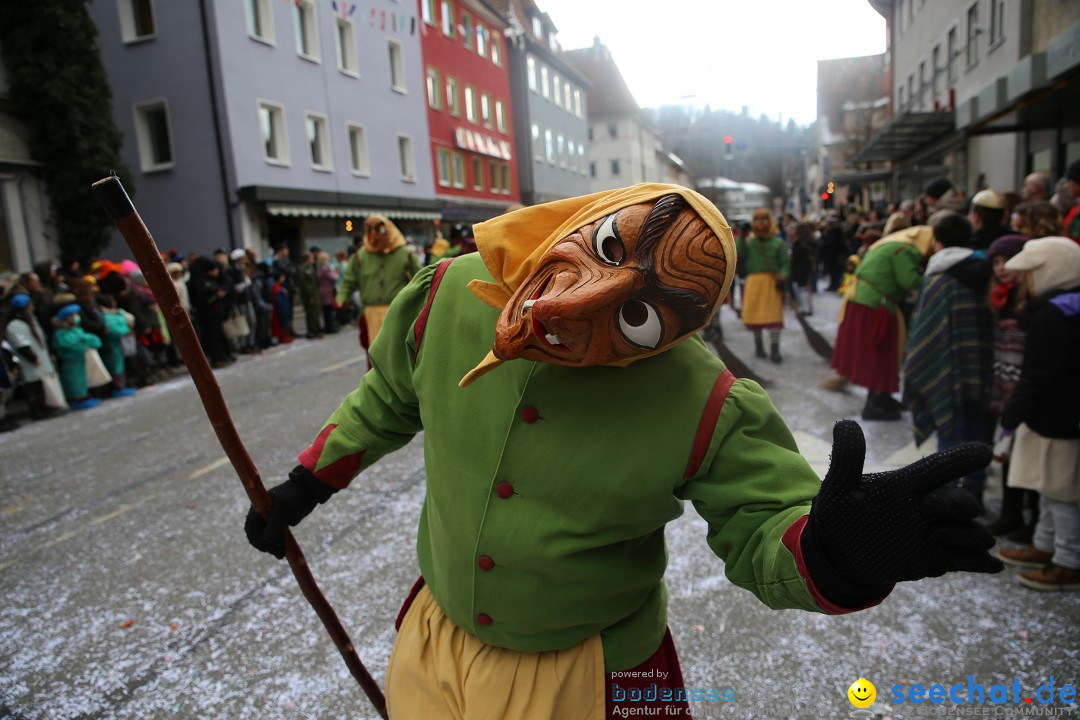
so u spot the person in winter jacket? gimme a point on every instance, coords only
(950, 348)
(70, 343)
(1008, 298)
(117, 328)
(327, 277)
(555, 461)
(1044, 411)
(308, 285)
(30, 345)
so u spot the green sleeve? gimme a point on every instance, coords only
(383, 413)
(908, 268)
(752, 488)
(350, 280)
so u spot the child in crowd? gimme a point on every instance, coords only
(1007, 297)
(1044, 410)
(117, 328)
(70, 343)
(30, 343)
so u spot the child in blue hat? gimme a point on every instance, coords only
(70, 343)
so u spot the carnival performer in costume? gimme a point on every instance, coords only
(541, 539)
(872, 333)
(380, 269)
(767, 264)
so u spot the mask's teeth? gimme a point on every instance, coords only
(553, 339)
(525, 306)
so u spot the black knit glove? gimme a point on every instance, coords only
(867, 532)
(293, 500)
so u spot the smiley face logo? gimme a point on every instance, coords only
(862, 693)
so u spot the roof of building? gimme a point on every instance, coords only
(608, 93)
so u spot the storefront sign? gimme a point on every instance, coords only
(481, 143)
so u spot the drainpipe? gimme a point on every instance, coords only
(214, 111)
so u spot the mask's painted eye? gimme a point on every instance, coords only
(641, 324)
(607, 244)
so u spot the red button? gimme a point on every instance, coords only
(504, 490)
(483, 619)
(485, 562)
(530, 414)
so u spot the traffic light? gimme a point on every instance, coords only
(827, 191)
(727, 147)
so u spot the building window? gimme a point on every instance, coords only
(577, 102)
(485, 109)
(136, 20)
(466, 29)
(442, 166)
(434, 89)
(500, 116)
(538, 150)
(613, 130)
(571, 152)
(973, 34)
(560, 145)
(556, 89)
(427, 11)
(272, 126)
(538, 28)
(397, 66)
(911, 90)
(566, 96)
(478, 174)
(481, 40)
(318, 141)
(549, 147)
(405, 158)
(581, 158)
(153, 136)
(358, 153)
(615, 168)
(950, 62)
(307, 30)
(997, 22)
(447, 18)
(900, 16)
(922, 83)
(453, 96)
(260, 19)
(592, 169)
(530, 63)
(457, 164)
(500, 177)
(900, 100)
(470, 103)
(544, 82)
(346, 46)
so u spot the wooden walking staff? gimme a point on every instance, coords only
(115, 199)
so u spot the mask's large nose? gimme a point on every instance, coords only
(572, 302)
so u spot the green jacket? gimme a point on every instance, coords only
(548, 487)
(887, 274)
(378, 276)
(70, 345)
(775, 249)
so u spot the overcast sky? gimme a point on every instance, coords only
(726, 53)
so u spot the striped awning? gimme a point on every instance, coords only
(343, 211)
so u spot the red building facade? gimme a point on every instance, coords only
(469, 114)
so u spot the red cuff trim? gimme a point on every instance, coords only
(792, 540)
(421, 319)
(337, 474)
(707, 424)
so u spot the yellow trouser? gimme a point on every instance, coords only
(437, 670)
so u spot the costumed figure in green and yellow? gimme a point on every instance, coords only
(379, 270)
(767, 266)
(872, 333)
(555, 460)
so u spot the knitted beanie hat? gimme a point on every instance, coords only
(1007, 245)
